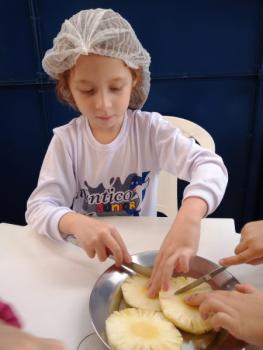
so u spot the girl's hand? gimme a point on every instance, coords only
(179, 246)
(15, 339)
(240, 312)
(250, 248)
(97, 238)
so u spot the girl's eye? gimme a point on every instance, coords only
(113, 88)
(86, 92)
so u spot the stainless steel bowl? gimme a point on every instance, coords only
(106, 297)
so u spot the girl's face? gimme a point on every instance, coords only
(101, 87)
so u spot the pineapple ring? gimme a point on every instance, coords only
(141, 329)
(134, 290)
(183, 316)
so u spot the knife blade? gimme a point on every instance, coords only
(200, 280)
(134, 267)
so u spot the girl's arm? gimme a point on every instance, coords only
(55, 191)
(180, 244)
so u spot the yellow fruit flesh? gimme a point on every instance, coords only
(144, 330)
(184, 316)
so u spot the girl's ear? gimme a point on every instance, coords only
(134, 82)
(136, 76)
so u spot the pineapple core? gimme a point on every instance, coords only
(144, 330)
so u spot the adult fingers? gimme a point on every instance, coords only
(246, 288)
(213, 304)
(224, 320)
(241, 247)
(196, 299)
(246, 229)
(256, 261)
(237, 259)
(228, 261)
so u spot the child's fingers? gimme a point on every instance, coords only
(167, 273)
(162, 274)
(183, 263)
(90, 251)
(155, 285)
(118, 238)
(156, 279)
(101, 252)
(155, 268)
(114, 247)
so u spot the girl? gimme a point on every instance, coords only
(106, 161)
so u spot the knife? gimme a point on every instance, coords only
(131, 268)
(200, 280)
(135, 268)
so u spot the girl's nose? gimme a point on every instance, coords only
(103, 101)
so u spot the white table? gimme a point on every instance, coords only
(49, 282)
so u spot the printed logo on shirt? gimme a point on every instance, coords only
(118, 199)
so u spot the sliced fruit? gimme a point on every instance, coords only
(134, 290)
(137, 329)
(184, 316)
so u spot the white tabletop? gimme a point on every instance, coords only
(49, 282)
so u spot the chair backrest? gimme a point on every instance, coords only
(167, 202)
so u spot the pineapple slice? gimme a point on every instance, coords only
(137, 329)
(184, 316)
(134, 290)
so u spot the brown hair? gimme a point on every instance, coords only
(63, 91)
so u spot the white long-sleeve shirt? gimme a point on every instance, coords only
(121, 178)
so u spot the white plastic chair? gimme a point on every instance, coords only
(167, 191)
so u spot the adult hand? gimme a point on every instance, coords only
(250, 248)
(240, 312)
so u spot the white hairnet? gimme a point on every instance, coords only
(102, 32)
